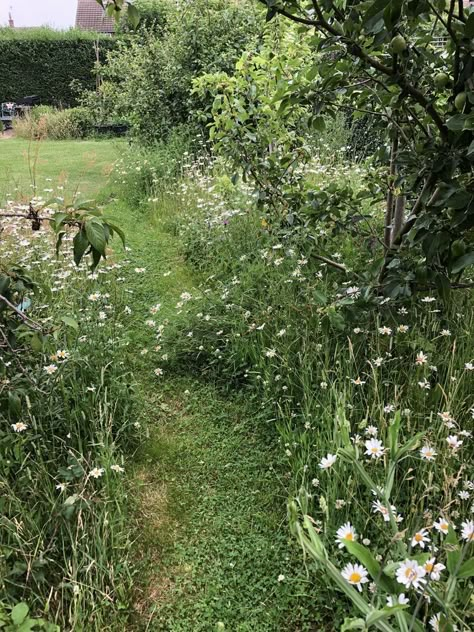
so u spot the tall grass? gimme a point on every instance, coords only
(64, 530)
(339, 372)
(44, 122)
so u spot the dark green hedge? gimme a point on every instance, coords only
(46, 67)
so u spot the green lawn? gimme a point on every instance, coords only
(82, 166)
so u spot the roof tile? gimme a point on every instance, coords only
(91, 17)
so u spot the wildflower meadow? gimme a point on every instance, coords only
(237, 347)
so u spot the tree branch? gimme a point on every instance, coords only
(397, 239)
(330, 262)
(19, 313)
(390, 194)
(355, 49)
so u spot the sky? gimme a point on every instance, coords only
(55, 13)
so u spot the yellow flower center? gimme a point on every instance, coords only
(355, 577)
(429, 567)
(418, 537)
(444, 525)
(349, 536)
(409, 573)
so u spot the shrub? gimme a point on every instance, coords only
(44, 62)
(18, 617)
(144, 175)
(44, 122)
(153, 15)
(148, 77)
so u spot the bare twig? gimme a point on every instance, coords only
(22, 315)
(17, 360)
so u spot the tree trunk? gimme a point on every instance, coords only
(390, 194)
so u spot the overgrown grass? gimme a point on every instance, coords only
(66, 423)
(204, 499)
(383, 386)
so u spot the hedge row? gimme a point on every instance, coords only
(45, 67)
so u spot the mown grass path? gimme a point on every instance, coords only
(208, 506)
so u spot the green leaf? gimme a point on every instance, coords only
(380, 615)
(393, 431)
(353, 624)
(456, 122)
(392, 14)
(14, 404)
(443, 286)
(469, 27)
(467, 569)
(117, 230)
(377, 7)
(4, 283)
(19, 613)
(320, 297)
(410, 445)
(59, 241)
(366, 558)
(453, 549)
(96, 255)
(36, 343)
(463, 262)
(58, 218)
(318, 123)
(133, 15)
(96, 235)
(80, 245)
(70, 322)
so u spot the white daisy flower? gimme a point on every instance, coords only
(420, 538)
(411, 574)
(327, 462)
(20, 426)
(355, 574)
(346, 533)
(374, 448)
(428, 453)
(467, 532)
(433, 570)
(97, 472)
(421, 358)
(397, 600)
(454, 442)
(442, 526)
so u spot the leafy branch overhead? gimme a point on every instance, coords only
(93, 230)
(115, 8)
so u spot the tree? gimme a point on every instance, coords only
(408, 65)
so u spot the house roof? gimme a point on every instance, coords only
(90, 16)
